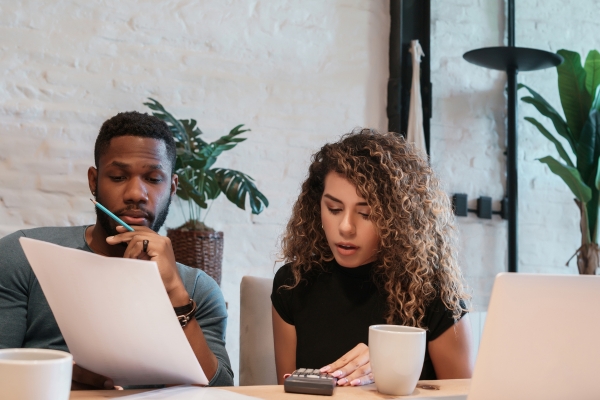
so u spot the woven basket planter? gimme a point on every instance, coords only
(199, 249)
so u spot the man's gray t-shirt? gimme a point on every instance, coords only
(27, 321)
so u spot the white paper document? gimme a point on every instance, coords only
(115, 315)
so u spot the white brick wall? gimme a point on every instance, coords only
(468, 131)
(296, 73)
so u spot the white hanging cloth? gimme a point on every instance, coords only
(415, 133)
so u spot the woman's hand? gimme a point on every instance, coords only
(353, 369)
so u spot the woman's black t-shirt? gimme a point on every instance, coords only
(333, 308)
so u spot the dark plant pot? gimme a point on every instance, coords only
(199, 249)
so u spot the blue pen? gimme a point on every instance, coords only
(113, 216)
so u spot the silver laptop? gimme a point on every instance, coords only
(541, 339)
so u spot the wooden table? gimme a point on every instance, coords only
(447, 387)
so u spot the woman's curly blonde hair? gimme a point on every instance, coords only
(417, 258)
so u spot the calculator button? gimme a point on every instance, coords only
(300, 371)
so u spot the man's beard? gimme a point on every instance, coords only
(156, 221)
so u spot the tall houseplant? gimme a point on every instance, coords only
(200, 183)
(579, 90)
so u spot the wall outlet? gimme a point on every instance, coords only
(484, 207)
(459, 204)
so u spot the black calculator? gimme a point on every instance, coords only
(310, 381)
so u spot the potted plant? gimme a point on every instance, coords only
(579, 90)
(195, 244)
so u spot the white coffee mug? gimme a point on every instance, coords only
(397, 354)
(35, 374)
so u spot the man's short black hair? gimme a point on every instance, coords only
(133, 123)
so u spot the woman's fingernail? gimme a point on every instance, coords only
(336, 373)
(355, 382)
(110, 238)
(342, 381)
(325, 369)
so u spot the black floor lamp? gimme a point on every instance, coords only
(512, 60)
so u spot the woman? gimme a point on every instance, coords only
(370, 241)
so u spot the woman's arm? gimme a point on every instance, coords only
(451, 352)
(284, 336)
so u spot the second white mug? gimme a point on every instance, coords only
(396, 353)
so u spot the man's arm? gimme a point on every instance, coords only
(211, 315)
(14, 281)
(211, 318)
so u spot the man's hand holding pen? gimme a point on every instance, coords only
(159, 250)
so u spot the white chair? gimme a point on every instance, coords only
(257, 355)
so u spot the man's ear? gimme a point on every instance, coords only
(174, 183)
(93, 180)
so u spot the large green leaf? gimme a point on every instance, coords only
(548, 111)
(588, 148)
(584, 225)
(598, 176)
(231, 136)
(571, 177)
(193, 132)
(176, 127)
(574, 97)
(559, 147)
(224, 143)
(592, 72)
(592, 215)
(237, 186)
(596, 101)
(587, 164)
(198, 163)
(211, 184)
(228, 141)
(187, 190)
(594, 234)
(591, 168)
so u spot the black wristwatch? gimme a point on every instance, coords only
(185, 313)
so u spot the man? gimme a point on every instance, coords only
(134, 178)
